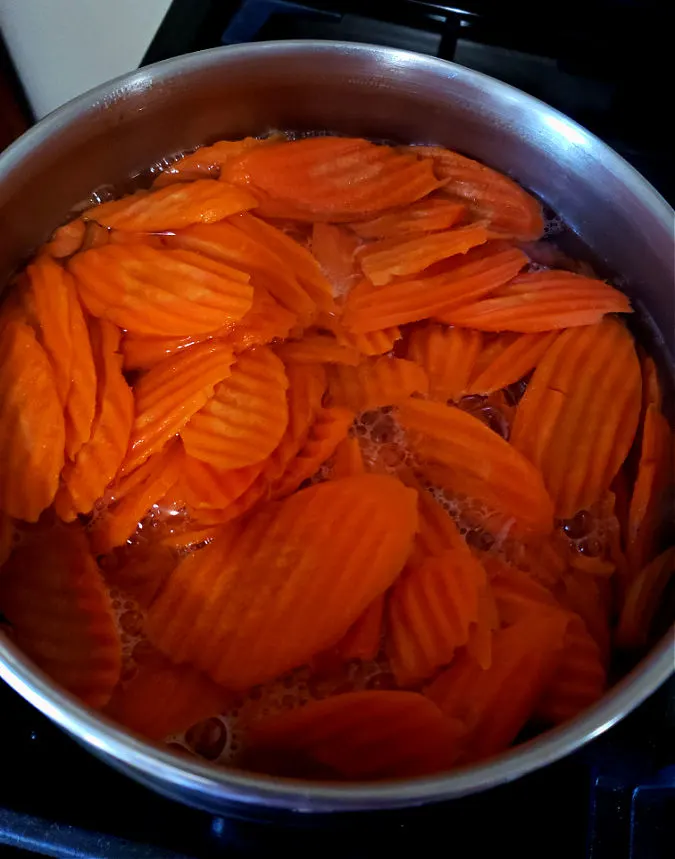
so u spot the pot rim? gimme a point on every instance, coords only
(215, 782)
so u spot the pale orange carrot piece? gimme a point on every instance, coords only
(516, 356)
(542, 301)
(448, 356)
(335, 248)
(642, 601)
(425, 216)
(382, 264)
(171, 393)
(52, 593)
(364, 637)
(173, 208)
(32, 429)
(579, 415)
(329, 428)
(66, 240)
(489, 195)
(347, 458)
(207, 161)
(495, 704)
(333, 178)
(483, 465)
(466, 278)
(84, 479)
(160, 292)
(358, 735)
(163, 699)
(290, 585)
(381, 381)
(318, 349)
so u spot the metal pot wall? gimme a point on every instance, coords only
(122, 127)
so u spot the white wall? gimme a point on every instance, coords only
(62, 48)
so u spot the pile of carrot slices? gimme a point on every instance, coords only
(309, 402)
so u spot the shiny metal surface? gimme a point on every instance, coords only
(120, 128)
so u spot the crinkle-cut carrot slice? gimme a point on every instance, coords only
(655, 474)
(32, 429)
(329, 428)
(207, 161)
(488, 194)
(651, 387)
(592, 599)
(84, 479)
(334, 248)
(245, 419)
(66, 240)
(347, 458)
(160, 292)
(578, 417)
(484, 466)
(424, 216)
(6, 537)
(357, 735)
(148, 483)
(318, 349)
(545, 559)
(334, 178)
(290, 584)
(464, 279)
(642, 600)
(380, 381)
(518, 595)
(448, 356)
(54, 307)
(381, 264)
(171, 393)
(430, 612)
(163, 699)
(373, 343)
(203, 485)
(542, 301)
(191, 538)
(54, 597)
(518, 357)
(173, 208)
(578, 681)
(364, 637)
(479, 644)
(139, 569)
(495, 703)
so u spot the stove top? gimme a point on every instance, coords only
(604, 63)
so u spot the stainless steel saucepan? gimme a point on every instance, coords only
(120, 128)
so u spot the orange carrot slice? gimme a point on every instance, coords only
(138, 569)
(172, 208)
(381, 381)
(542, 301)
(318, 349)
(6, 537)
(32, 431)
(495, 704)
(347, 458)
(642, 600)
(171, 393)
(67, 239)
(53, 303)
(333, 178)
(448, 356)
(483, 465)
(382, 264)
(430, 612)
(358, 735)
(517, 594)
(516, 356)
(579, 414)
(426, 216)
(202, 485)
(464, 279)
(84, 479)
(290, 585)
(489, 195)
(651, 387)
(52, 593)
(207, 161)
(592, 599)
(335, 248)
(364, 637)
(328, 430)
(163, 699)
(160, 292)
(655, 473)
(246, 417)
(373, 343)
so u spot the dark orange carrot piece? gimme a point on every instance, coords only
(642, 600)
(425, 216)
(542, 301)
(579, 414)
(347, 458)
(318, 349)
(489, 195)
(448, 356)
(364, 637)
(464, 279)
(6, 537)
(245, 610)
(380, 381)
(516, 359)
